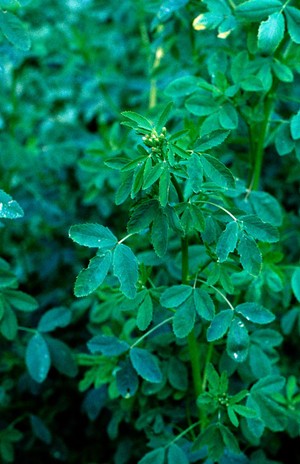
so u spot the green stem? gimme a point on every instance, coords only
(150, 331)
(259, 155)
(192, 340)
(27, 329)
(184, 432)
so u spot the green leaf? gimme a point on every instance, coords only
(289, 319)
(127, 380)
(272, 414)
(201, 105)
(159, 233)
(181, 87)
(9, 324)
(184, 318)
(282, 71)
(232, 416)
(250, 255)
(213, 377)
(177, 374)
(258, 229)
(20, 300)
(62, 357)
(204, 304)
(125, 187)
(256, 10)
(125, 268)
(40, 430)
(164, 187)
(244, 411)
(175, 296)
(145, 313)
(227, 241)
(195, 172)
(107, 345)
(131, 165)
(137, 182)
(211, 438)
(259, 362)
(141, 121)
(269, 384)
(152, 174)
(146, 365)
(270, 33)
(283, 142)
(296, 283)
(237, 341)
(9, 208)
(293, 23)
(192, 219)
(93, 236)
(295, 126)
(211, 140)
(266, 207)
(154, 457)
(219, 325)
(164, 116)
(14, 30)
(4, 4)
(88, 280)
(197, 217)
(142, 216)
(7, 278)
(229, 439)
(54, 318)
(217, 171)
(228, 117)
(37, 358)
(256, 313)
(176, 455)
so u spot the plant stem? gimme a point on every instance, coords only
(150, 331)
(258, 162)
(192, 341)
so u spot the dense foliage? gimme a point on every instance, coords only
(164, 135)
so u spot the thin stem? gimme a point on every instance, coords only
(192, 340)
(219, 292)
(207, 361)
(218, 206)
(139, 340)
(26, 329)
(125, 238)
(184, 432)
(259, 155)
(195, 362)
(153, 82)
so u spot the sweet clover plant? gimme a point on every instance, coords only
(172, 159)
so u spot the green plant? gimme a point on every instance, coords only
(206, 260)
(183, 343)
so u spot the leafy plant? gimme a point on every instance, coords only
(181, 345)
